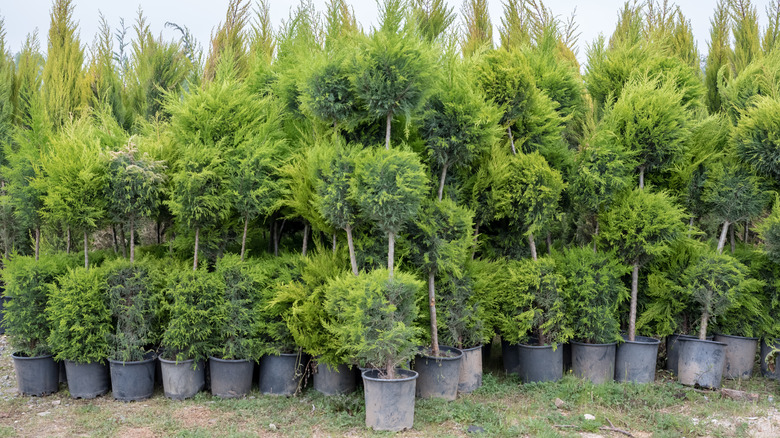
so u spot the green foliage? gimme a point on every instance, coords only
(190, 330)
(80, 317)
(373, 317)
(769, 231)
(27, 284)
(134, 183)
(718, 56)
(757, 137)
(389, 186)
(479, 29)
(328, 93)
(274, 302)
(441, 237)
(333, 199)
(592, 291)
(233, 312)
(641, 225)
(747, 44)
(432, 18)
(749, 316)
(760, 78)
(7, 87)
(130, 299)
(733, 193)
(461, 313)
(230, 41)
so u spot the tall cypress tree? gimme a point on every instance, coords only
(230, 37)
(747, 45)
(64, 84)
(105, 85)
(719, 54)
(28, 78)
(7, 87)
(478, 28)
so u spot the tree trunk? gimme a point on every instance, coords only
(532, 244)
(124, 240)
(197, 243)
(634, 296)
(305, 238)
(390, 370)
(747, 231)
(733, 239)
(595, 236)
(86, 250)
(243, 237)
(334, 243)
(641, 177)
(158, 231)
(432, 306)
(113, 236)
(390, 252)
(441, 181)
(275, 242)
(387, 130)
(37, 242)
(723, 234)
(705, 316)
(67, 241)
(132, 239)
(511, 139)
(351, 245)
(549, 243)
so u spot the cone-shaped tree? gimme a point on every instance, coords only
(432, 18)
(719, 53)
(640, 226)
(757, 137)
(7, 87)
(769, 230)
(389, 186)
(479, 29)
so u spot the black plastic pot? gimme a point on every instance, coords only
(37, 375)
(182, 379)
(390, 403)
(133, 380)
(334, 381)
(740, 356)
(87, 380)
(701, 362)
(470, 370)
(567, 357)
(594, 362)
(438, 376)
(230, 378)
(673, 350)
(540, 363)
(767, 370)
(510, 355)
(635, 360)
(281, 375)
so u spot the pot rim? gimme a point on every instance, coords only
(699, 340)
(15, 356)
(441, 358)
(646, 340)
(749, 338)
(131, 362)
(540, 347)
(588, 344)
(410, 375)
(217, 359)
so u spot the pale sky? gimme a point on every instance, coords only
(202, 16)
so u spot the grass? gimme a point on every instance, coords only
(502, 407)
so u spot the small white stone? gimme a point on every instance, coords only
(272, 426)
(589, 417)
(43, 414)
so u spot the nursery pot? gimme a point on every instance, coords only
(567, 357)
(132, 380)
(390, 402)
(470, 370)
(87, 380)
(673, 350)
(438, 376)
(540, 363)
(701, 362)
(509, 353)
(334, 381)
(182, 379)
(769, 369)
(740, 356)
(595, 362)
(281, 375)
(230, 378)
(635, 360)
(37, 375)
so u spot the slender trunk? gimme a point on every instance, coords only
(334, 243)
(274, 241)
(387, 130)
(243, 238)
(690, 226)
(124, 240)
(132, 239)
(733, 239)
(705, 316)
(532, 244)
(390, 252)
(158, 231)
(432, 306)
(511, 139)
(441, 181)
(476, 236)
(67, 241)
(86, 250)
(197, 243)
(113, 236)
(305, 238)
(541, 337)
(549, 243)
(641, 177)
(747, 231)
(723, 234)
(37, 242)
(390, 370)
(595, 236)
(351, 244)
(634, 295)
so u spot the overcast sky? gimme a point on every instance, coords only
(202, 16)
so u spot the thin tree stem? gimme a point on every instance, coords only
(634, 295)
(37, 242)
(441, 182)
(511, 139)
(351, 245)
(305, 238)
(390, 253)
(243, 238)
(387, 130)
(705, 316)
(86, 250)
(197, 242)
(532, 244)
(67, 241)
(641, 177)
(432, 306)
(723, 234)
(124, 241)
(334, 243)
(132, 239)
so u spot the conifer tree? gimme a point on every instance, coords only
(747, 45)
(340, 23)
(432, 17)
(261, 39)
(7, 87)
(757, 137)
(106, 87)
(719, 54)
(513, 31)
(230, 37)
(64, 83)
(772, 33)
(478, 30)
(28, 78)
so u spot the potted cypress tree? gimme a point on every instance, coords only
(81, 326)
(714, 281)
(188, 337)
(592, 291)
(373, 318)
(27, 326)
(769, 232)
(639, 227)
(131, 362)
